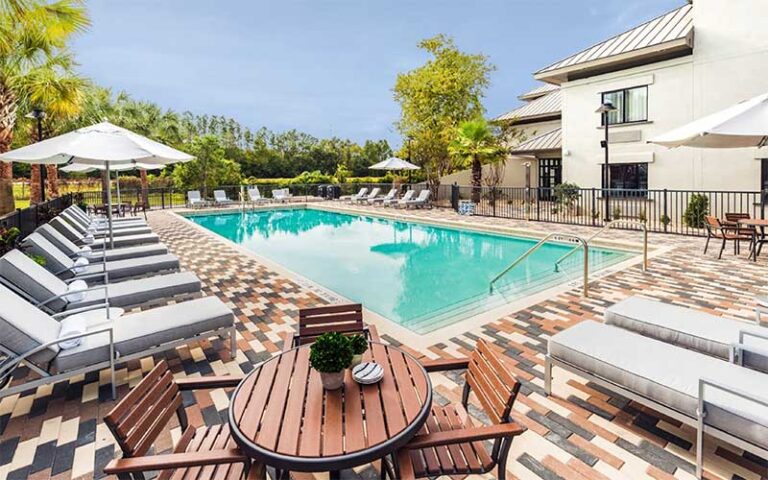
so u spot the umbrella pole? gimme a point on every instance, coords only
(109, 211)
(117, 183)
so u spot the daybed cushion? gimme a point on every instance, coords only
(133, 267)
(141, 331)
(136, 292)
(24, 327)
(125, 253)
(666, 374)
(25, 274)
(685, 327)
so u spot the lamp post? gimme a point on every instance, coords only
(39, 114)
(605, 109)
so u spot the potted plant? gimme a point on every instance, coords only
(330, 355)
(359, 346)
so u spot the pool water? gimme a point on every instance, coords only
(420, 276)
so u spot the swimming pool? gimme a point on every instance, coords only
(420, 276)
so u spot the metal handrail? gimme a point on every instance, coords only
(607, 227)
(571, 237)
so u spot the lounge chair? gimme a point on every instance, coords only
(254, 196)
(73, 251)
(692, 329)
(46, 291)
(74, 236)
(366, 198)
(281, 195)
(391, 195)
(102, 221)
(61, 265)
(419, 202)
(30, 336)
(313, 322)
(97, 231)
(138, 421)
(351, 198)
(450, 443)
(723, 399)
(220, 198)
(408, 195)
(194, 200)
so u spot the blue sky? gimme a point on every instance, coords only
(327, 67)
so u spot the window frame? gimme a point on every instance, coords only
(625, 106)
(626, 192)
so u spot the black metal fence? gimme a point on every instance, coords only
(28, 219)
(667, 211)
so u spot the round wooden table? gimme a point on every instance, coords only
(281, 416)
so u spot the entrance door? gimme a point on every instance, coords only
(550, 176)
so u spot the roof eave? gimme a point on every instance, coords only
(531, 118)
(663, 51)
(537, 151)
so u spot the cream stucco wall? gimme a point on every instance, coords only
(729, 64)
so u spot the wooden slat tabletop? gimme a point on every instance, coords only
(281, 415)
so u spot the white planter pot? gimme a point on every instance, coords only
(332, 380)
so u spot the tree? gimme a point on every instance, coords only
(209, 169)
(33, 57)
(435, 98)
(474, 144)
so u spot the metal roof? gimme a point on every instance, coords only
(546, 106)
(538, 92)
(673, 29)
(545, 142)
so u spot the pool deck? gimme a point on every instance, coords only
(583, 432)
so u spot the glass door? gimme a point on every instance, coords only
(550, 176)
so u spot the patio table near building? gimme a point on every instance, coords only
(281, 416)
(758, 234)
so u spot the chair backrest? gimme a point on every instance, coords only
(74, 223)
(55, 259)
(65, 229)
(314, 322)
(139, 418)
(280, 192)
(408, 195)
(712, 222)
(424, 195)
(30, 280)
(79, 212)
(219, 195)
(375, 192)
(362, 192)
(75, 220)
(193, 195)
(254, 193)
(24, 327)
(391, 194)
(59, 240)
(494, 386)
(735, 217)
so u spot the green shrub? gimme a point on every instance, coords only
(697, 209)
(617, 212)
(566, 194)
(642, 216)
(38, 259)
(665, 220)
(359, 344)
(332, 352)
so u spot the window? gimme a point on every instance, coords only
(631, 105)
(628, 176)
(764, 174)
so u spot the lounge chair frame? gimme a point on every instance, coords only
(697, 422)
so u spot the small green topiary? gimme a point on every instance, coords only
(332, 352)
(359, 344)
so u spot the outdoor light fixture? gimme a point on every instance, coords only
(39, 114)
(605, 109)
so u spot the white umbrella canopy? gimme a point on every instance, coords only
(740, 126)
(102, 144)
(394, 163)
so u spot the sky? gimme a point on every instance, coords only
(327, 67)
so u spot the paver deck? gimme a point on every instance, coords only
(583, 432)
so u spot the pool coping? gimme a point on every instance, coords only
(389, 327)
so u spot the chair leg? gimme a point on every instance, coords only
(706, 245)
(548, 375)
(233, 342)
(700, 448)
(465, 395)
(721, 250)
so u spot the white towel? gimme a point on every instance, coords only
(85, 251)
(80, 265)
(72, 325)
(76, 288)
(88, 239)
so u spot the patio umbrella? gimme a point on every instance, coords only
(394, 163)
(742, 125)
(83, 168)
(102, 144)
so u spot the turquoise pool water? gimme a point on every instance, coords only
(421, 276)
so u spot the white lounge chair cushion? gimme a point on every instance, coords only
(685, 327)
(28, 276)
(135, 292)
(24, 327)
(666, 374)
(125, 253)
(141, 331)
(121, 241)
(133, 267)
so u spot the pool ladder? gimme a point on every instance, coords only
(607, 227)
(562, 237)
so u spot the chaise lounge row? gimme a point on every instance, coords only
(66, 317)
(391, 199)
(702, 370)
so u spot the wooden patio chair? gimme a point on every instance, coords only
(313, 322)
(726, 233)
(201, 453)
(449, 443)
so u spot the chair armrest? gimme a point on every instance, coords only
(83, 277)
(373, 333)
(472, 434)
(443, 364)
(174, 460)
(62, 295)
(216, 381)
(99, 306)
(288, 340)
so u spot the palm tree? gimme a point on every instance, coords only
(33, 60)
(475, 143)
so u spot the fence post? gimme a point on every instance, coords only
(455, 197)
(170, 197)
(763, 193)
(665, 217)
(162, 198)
(593, 210)
(538, 204)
